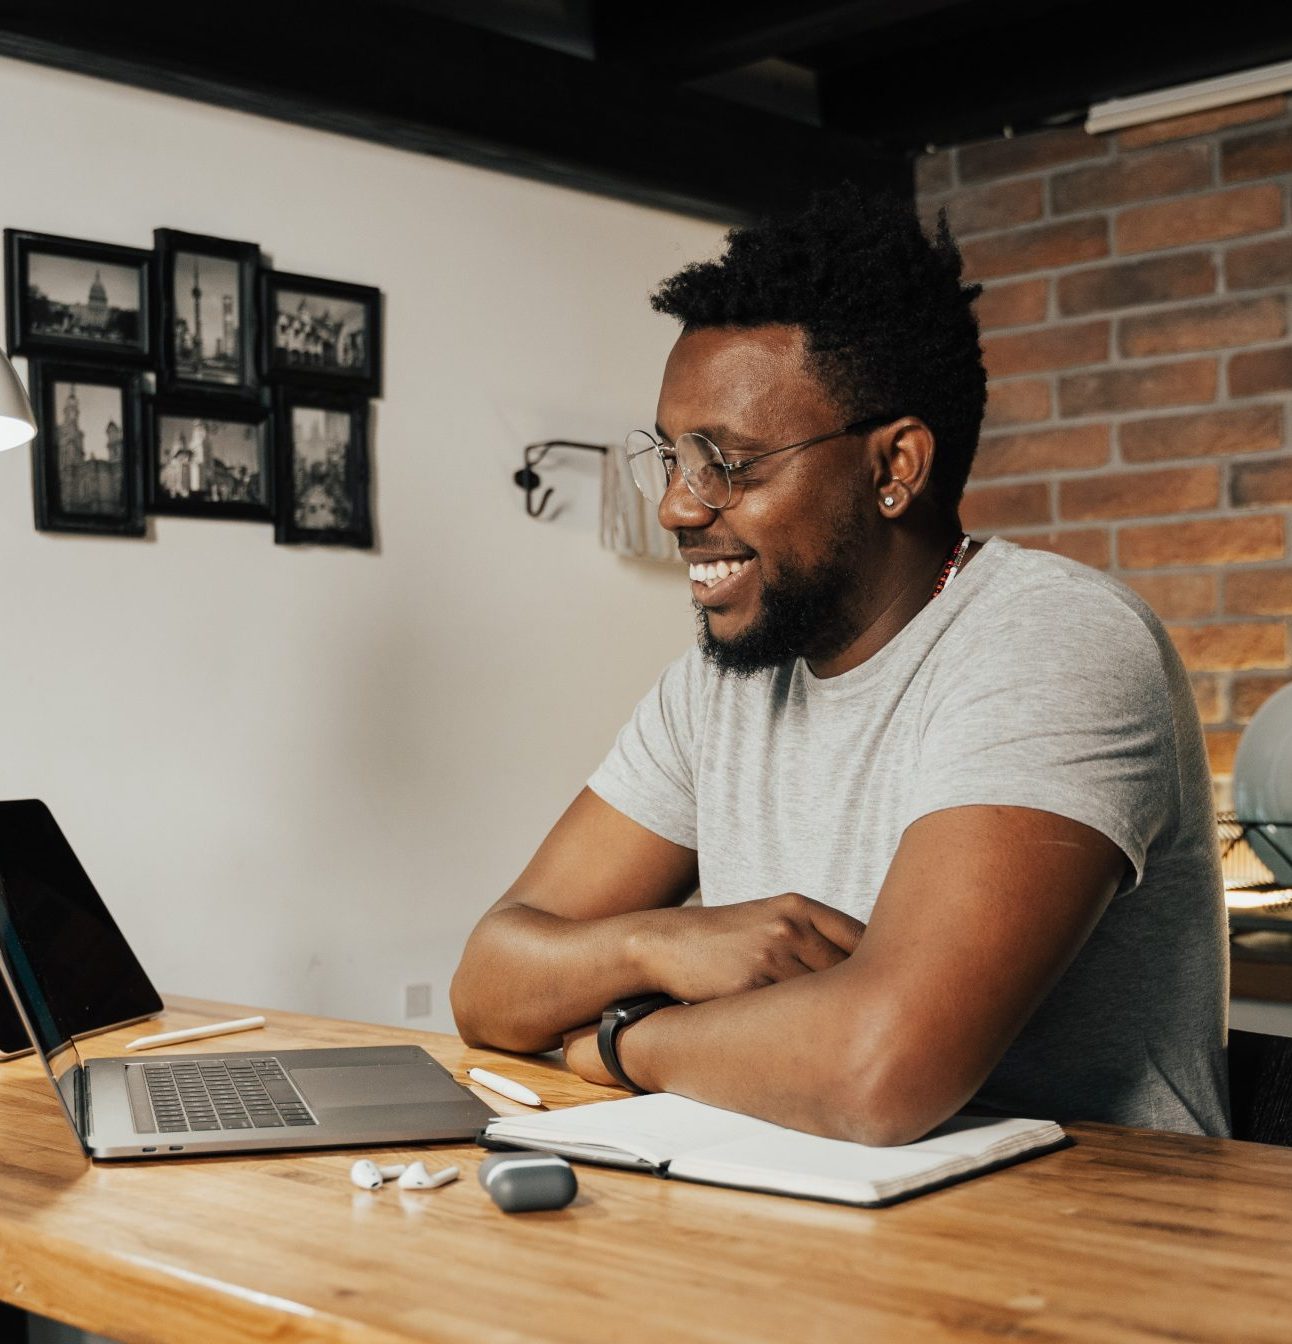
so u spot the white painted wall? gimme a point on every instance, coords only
(298, 776)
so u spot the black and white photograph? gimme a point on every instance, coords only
(207, 311)
(87, 452)
(76, 299)
(210, 460)
(322, 332)
(323, 471)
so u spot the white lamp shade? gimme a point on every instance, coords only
(17, 423)
(1263, 784)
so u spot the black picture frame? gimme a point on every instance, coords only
(96, 330)
(321, 502)
(73, 486)
(192, 357)
(326, 357)
(203, 484)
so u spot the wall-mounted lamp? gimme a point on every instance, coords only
(17, 423)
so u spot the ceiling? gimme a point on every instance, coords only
(721, 108)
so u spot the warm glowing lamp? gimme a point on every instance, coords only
(17, 423)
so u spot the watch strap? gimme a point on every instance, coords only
(618, 1015)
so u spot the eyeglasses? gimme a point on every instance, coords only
(705, 472)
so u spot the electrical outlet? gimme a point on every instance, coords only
(417, 1000)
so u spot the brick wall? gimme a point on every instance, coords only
(1136, 333)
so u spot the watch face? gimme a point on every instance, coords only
(631, 1009)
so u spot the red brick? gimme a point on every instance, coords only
(1089, 545)
(1233, 646)
(1139, 494)
(1018, 402)
(1222, 746)
(1214, 541)
(1136, 177)
(1056, 347)
(1248, 694)
(1068, 449)
(1028, 153)
(1247, 429)
(1202, 123)
(1127, 284)
(1265, 154)
(1259, 592)
(1207, 696)
(1177, 597)
(1262, 482)
(933, 172)
(988, 507)
(1204, 327)
(1191, 380)
(1200, 219)
(1036, 249)
(1257, 371)
(1259, 265)
(999, 205)
(1017, 304)
(1133, 284)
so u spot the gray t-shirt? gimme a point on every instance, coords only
(1032, 681)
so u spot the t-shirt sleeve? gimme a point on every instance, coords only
(1061, 703)
(649, 774)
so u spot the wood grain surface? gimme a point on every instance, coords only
(1128, 1236)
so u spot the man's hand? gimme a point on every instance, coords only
(699, 953)
(583, 1056)
(709, 952)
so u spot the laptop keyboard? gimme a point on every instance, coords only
(215, 1094)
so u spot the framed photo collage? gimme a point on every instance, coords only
(193, 379)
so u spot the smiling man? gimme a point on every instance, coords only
(946, 803)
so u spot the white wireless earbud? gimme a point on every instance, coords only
(367, 1175)
(418, 1178)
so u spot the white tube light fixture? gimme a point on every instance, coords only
(17, 424)
(1118, 113)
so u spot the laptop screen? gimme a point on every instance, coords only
(76, 957)
(53, 1041)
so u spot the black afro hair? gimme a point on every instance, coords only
(889, 327)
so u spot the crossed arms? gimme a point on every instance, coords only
(792, 1011)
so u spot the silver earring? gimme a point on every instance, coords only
(889, 501)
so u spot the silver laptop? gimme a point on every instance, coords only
(183, 1105)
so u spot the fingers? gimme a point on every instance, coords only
(842, 930)
(815, 951)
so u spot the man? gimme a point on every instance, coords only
(947, 804)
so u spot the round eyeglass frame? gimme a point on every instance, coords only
(642, 441)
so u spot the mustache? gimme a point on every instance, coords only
(692, 540)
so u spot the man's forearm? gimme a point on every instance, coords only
(527, 976)
(810, 1053)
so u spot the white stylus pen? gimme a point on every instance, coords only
(196, 1033)
(505, 1087)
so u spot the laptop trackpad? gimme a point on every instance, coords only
(369, 1085)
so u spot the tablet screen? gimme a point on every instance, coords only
(86, 969)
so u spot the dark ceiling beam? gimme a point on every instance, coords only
(1026, 65)
(386, 73)
(680, 39)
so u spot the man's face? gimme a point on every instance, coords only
(798, 526)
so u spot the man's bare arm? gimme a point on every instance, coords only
(982, 910)
(593, 918)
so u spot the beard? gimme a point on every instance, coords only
(804, 613)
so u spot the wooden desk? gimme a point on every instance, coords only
(1129, 1236)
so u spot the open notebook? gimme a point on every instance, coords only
(687, 1140)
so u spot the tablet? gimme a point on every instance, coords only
(86, 955)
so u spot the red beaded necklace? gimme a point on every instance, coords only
(955, 558)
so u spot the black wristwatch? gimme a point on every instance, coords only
(620, 1014)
